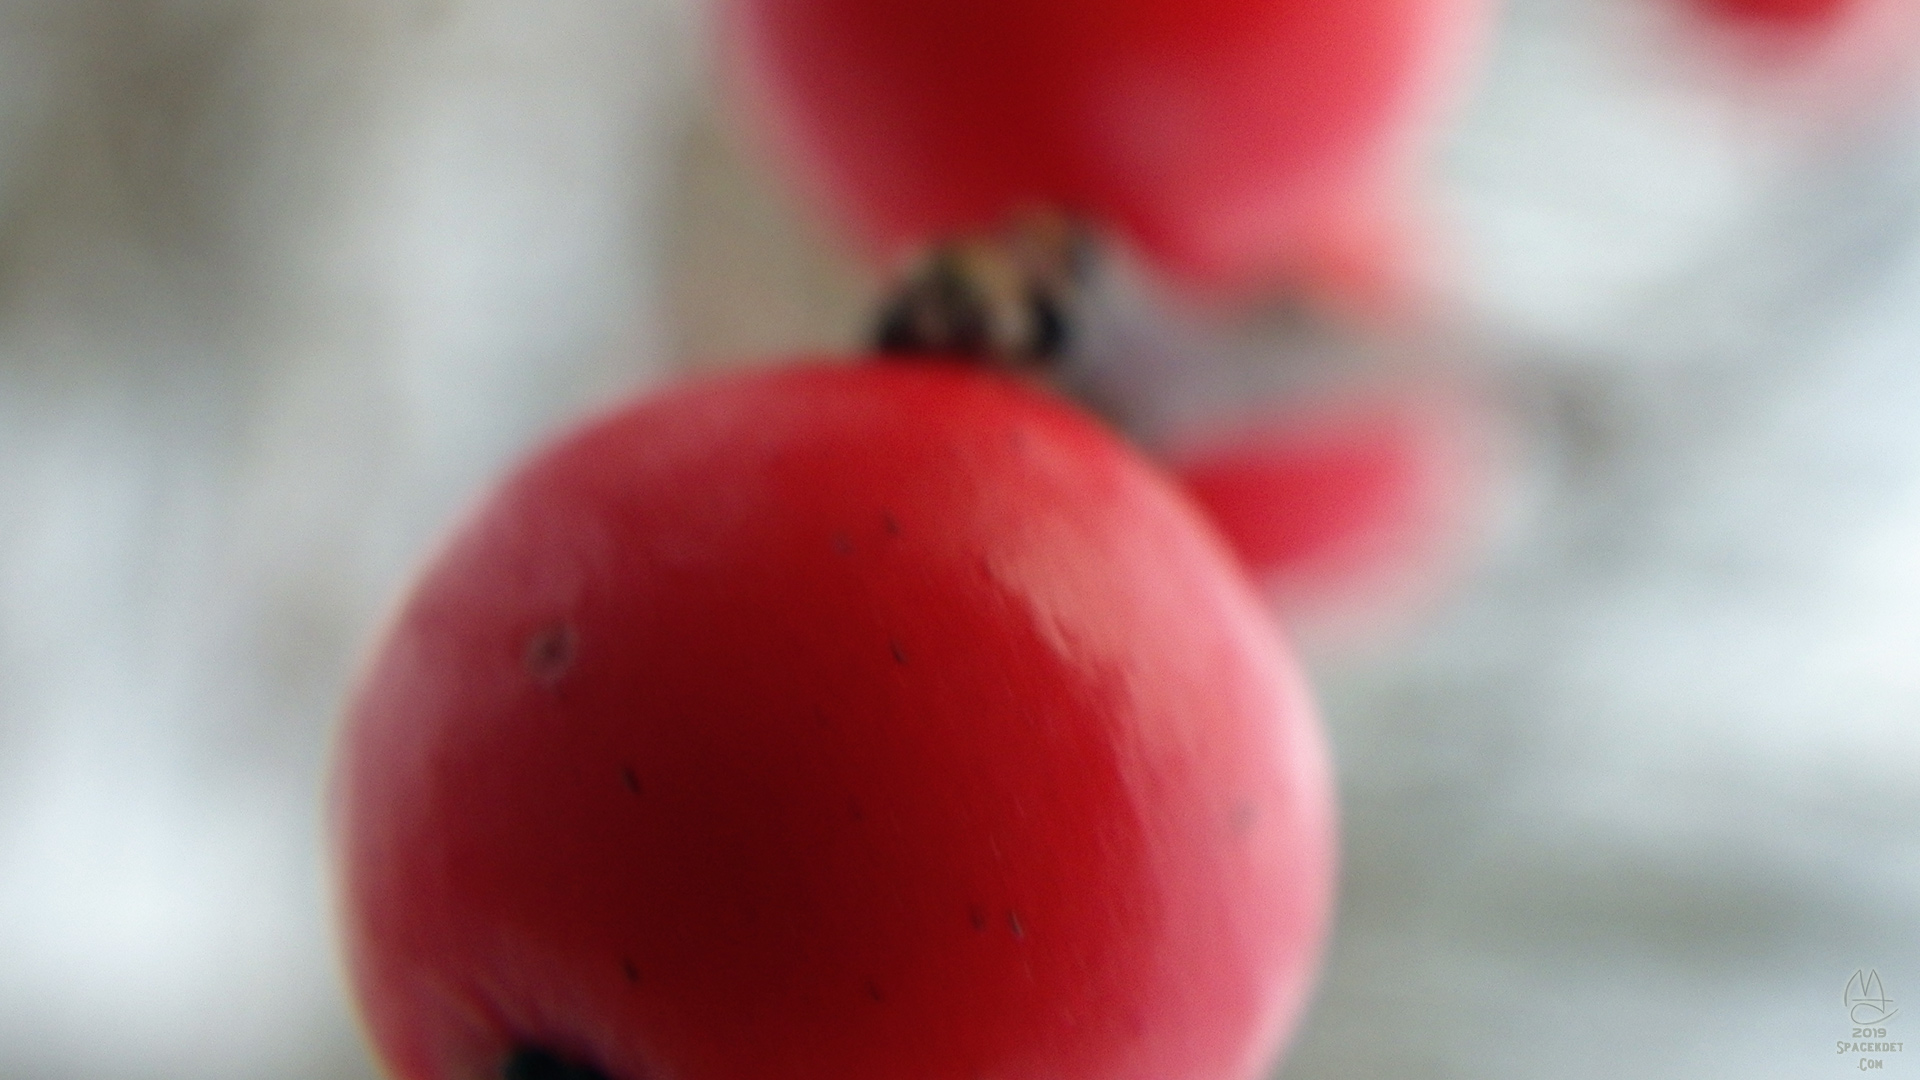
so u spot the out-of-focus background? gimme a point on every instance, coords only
(282, 285)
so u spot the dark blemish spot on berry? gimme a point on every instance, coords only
(977, 916)
(890, 523)
(539, 1063)
(550, 652)
(1013, 925)
(873, 991)
(628, 969)
(629, 780)
(842, 544)
(899, 655)
(855, 811)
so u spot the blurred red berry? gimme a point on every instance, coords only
(869, 723)
(1349, 513)
(1233, 142)
(1779, 12)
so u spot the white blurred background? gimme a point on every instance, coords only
(282, 285)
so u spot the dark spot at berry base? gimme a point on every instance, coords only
(628, 969)
(873, 991)
(899, 654)
(539, 1063)
(977, 917)
(630, 780)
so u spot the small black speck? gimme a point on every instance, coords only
(873, 991)
(626, 968)
(550, 652)
(977, 915)
(890, 523)
(1013, 925)
(629, 781)
(899, 654)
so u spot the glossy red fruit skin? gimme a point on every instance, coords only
(1233, 142)
(856, 723)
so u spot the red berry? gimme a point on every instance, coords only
(1824, 58)
(1781, 12)
(884, 723)
(1230, 140)
(1348, 513)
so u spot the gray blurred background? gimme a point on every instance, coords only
(282, 285)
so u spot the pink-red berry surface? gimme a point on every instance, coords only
(843, 723)
(1354, 512)
(1805, 13)
(1231, 141)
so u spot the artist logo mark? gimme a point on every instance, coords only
(1867, 1000)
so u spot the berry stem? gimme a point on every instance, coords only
(1004, 299)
